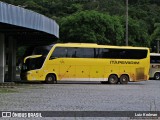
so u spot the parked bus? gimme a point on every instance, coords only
(87, 62)
(155, 66)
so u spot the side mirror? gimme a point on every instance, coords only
(32, 56)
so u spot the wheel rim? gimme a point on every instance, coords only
(124, 79)
(157, 76)
(113, 80)
(50, 79)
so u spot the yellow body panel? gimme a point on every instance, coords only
(91, 68)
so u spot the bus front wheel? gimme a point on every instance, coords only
(113, 79)
(50, 79)
(157, 76)
(124, 79)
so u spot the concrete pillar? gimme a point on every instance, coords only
(2, 57)
(11, 60)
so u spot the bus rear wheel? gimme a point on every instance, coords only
(124, 79)
(113, 79)
(50, 79)
(157, 76)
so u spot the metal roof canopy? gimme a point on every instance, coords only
(26, 26)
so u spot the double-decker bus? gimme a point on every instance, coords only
(155, 66)
(87, 62)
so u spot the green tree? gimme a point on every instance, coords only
(92, 27)
(137, 32)
(156, 34)
(143, 15)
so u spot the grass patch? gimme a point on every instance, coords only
(17, 88)
(7, 90)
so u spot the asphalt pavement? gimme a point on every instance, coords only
(82, 96)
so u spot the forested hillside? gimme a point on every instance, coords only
(101, 21)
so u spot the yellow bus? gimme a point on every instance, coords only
(154, 66)
(87, 62)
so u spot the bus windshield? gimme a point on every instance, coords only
(36, 63)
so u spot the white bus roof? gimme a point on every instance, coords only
(154, 54)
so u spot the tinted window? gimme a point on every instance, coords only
(36, 63)
(59, 52)
(121, 53)
(88, 53)
(84, 53)
(72, 52)
(42, 50)
(155, 59)
(134, 54)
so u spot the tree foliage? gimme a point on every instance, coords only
(92, 27)
(101, 21)
(156, 33)
(138, 33)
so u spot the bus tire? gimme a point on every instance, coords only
(113, 79)
(51, 79)
(124, 79)
(157, 76)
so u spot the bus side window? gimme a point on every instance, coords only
(79, 52)
(96, 52)
(101, 53)
(59, 52)
(74, 54)
(88, 53)
(104, 53)
(122, 54)
(83, 53)
(71, 53)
